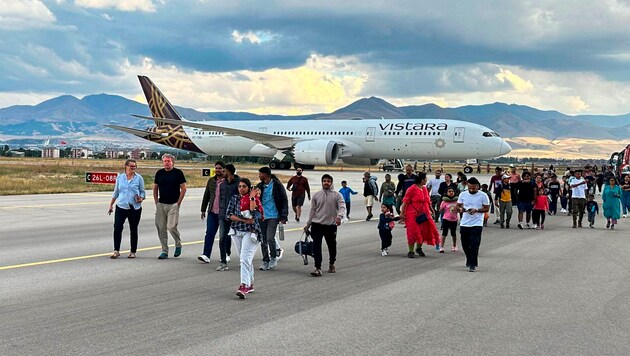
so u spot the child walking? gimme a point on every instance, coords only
(385, 226)
(345, 193)
(448, 208)
(541, 206)
(592, 208)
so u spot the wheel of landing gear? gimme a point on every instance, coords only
(283, 165)
(468, 169)
(273, 165)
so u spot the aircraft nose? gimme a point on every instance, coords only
(505, 148)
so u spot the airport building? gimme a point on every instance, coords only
(50, 152)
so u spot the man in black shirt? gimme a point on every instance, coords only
(169, 188)
(525, 199)
(554, 192)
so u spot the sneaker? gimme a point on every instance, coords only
(419, 252)
(542, 226)
(227, 258)
(222, 267)
(241, 291)
(279, 253)
(331, 269)
(471, 269)
(178, 251)
(497, 222)
(316, 273)
(528, 226)
(535, 226)
(608, 225)
(579, 224)
(453, 249)
(507, 226)
(264, 266)
(369, 217)
(203, 258)
(624, 216)
(574, 225)
(612, 227)
(591, 226)
(115, 254)
(273, 263)
(502, 226)
(411, 254)
(163, 256)
(437, 247)
(441, 250)
(383, 253)
(520, 226)
(250, 289)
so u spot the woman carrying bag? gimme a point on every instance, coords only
(416, 212)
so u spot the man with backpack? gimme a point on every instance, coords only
(370, 192)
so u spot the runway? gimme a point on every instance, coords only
(558, 291)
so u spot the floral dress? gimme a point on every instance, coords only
(417, 201)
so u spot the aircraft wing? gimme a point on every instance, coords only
(252, 135)
(141, 133)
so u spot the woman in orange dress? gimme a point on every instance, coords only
(416, 202)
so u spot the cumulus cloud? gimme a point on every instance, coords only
(121, 5)
(17, 15)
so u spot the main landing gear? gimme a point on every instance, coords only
(275, 164)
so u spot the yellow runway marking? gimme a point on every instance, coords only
(32, 264)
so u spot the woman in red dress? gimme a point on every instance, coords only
(416, 202)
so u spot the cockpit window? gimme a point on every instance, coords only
(490, 134)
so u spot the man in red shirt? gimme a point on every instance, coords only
(298, 185)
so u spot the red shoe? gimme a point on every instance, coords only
(242, 290)
(249, 289)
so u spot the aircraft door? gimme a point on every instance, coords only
(369, 134)
(458, 135)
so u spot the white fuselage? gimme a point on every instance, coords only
(361, 139)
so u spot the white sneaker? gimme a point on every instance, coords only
(624, 216)
(383, 253)
(535, 226)
(273, 262)
(203, 258)
(227, 258)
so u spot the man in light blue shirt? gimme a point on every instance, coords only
(276, 209)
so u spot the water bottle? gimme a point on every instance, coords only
(281, 232)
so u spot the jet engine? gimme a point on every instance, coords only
(316, 152)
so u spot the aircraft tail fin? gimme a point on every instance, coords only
(158, 104)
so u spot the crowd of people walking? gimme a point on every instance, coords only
(249, 216)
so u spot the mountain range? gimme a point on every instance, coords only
(68, 116)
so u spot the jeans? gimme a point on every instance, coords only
(166, 220)
(625, 201)
(578, 209)
(471, 239)
(328, 232)
(268, 245)
(119, 223)
(591, 217)
(348, 208)
(246, 250)
(212, 225)
(553, 205)
(505, 211)
(225, 242)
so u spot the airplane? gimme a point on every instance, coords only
(307, 143)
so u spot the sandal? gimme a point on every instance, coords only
(316, 273)
(132, 255)
(116, 254)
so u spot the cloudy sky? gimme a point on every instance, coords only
(291, 57)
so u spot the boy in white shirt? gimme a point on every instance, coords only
(473, 204)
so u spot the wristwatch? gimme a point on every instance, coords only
(252, 199)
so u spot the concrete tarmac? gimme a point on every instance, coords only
(558, 291)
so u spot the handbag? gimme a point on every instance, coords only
(304, 247)
(421, 218)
